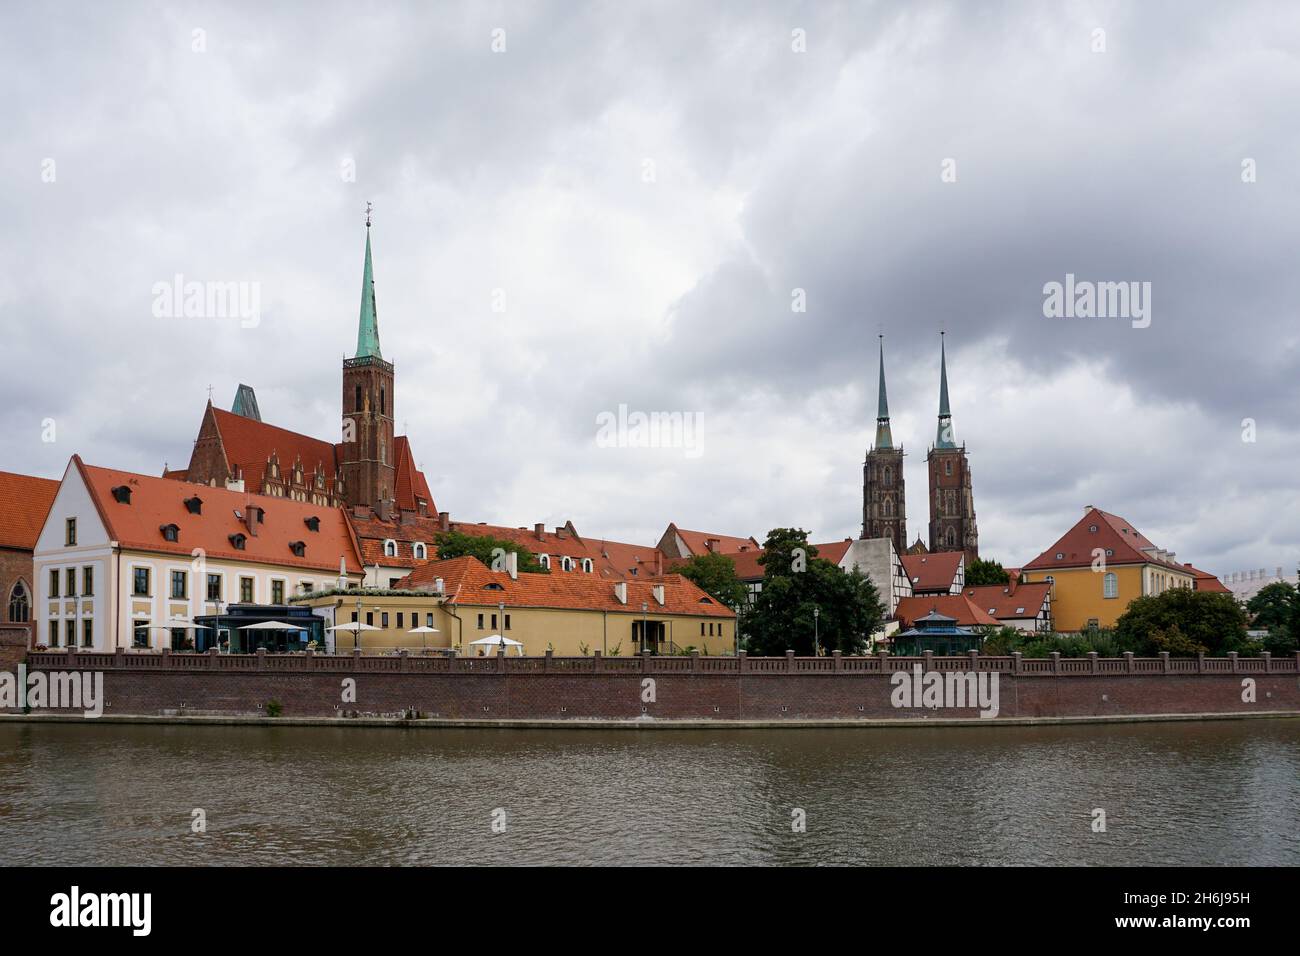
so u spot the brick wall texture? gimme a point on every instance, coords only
(739, 694)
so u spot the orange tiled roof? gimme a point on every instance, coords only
(249, 443)
(156, 502)
(467, 581)
(371, 534)
(1113, 534)
(697, 542)
(25, 500)
(1003, 603)
(410, 480)
(932, 571)
(953, 605)
(1205, 581)
(834, 551)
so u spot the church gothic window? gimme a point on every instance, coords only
(19, 607)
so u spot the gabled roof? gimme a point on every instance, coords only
(933, 571)
(371, 533)
(1119, 541)
(410, 480)
(25, 502)
(697, 542)
(834, 551)
(1005, 603)
(249, 443)
(156, 502)
(468, 582)
(955, 606)
(1205, 581)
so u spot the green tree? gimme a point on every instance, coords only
(805, 595)
(455, 544)
(1274, 606)
(983, 572)
(1182, 621)
(715, 574)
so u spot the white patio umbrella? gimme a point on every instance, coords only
(354, 627)
(423, 630)
(272, 626)
(496, 640)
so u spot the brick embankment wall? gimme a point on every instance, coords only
(771, 689)
(14, 641)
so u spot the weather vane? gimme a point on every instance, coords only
(368, 207)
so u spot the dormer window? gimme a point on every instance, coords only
(261, 515)
(170, 532)
(299, 548)
(493, 586)
(566, 564)
(237, 541)
(194, 505)
(545, 561)
(312, 523)
(419, 550)
(122, 495)
(390, 548)
(705, 600)
(587, 565)
(1092, 528)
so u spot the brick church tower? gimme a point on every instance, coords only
(366, 453)
(884, 505)
(952, 502)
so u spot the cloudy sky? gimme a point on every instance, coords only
(579, 206)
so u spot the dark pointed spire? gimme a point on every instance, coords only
(944, 435)
(368, 324)
(884, 438)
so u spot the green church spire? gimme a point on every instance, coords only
(884, 438)
(368, 324)
(944, 436)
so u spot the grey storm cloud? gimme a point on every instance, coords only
(773, 170)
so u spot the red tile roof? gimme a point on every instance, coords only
(953, 605)
(156, 502)
(834, 551)
(1099, 529)
(698, 542)
(1205, 581)
(933, 571)
(371, 533)
(1004, 603)
(410, 480)
(249, 443)
(25, 500)
(467, 581)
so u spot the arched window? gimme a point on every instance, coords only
(419, 550)
(888, 476)
(383, 399)
(356, 405)
(566, 563)
(390, 549)
(1110, 585)
(19, 607)
(950, 538)
(545, 561)
(586, 565)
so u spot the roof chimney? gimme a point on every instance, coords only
(539, 531)
(251, 519)
(381, 508)
(620, 592)
(560, 532)
(659, 562)
(444, 521)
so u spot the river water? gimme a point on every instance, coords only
(1178, 793)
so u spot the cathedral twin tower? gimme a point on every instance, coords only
(952, 504)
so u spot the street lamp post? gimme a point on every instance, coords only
(817, 650)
